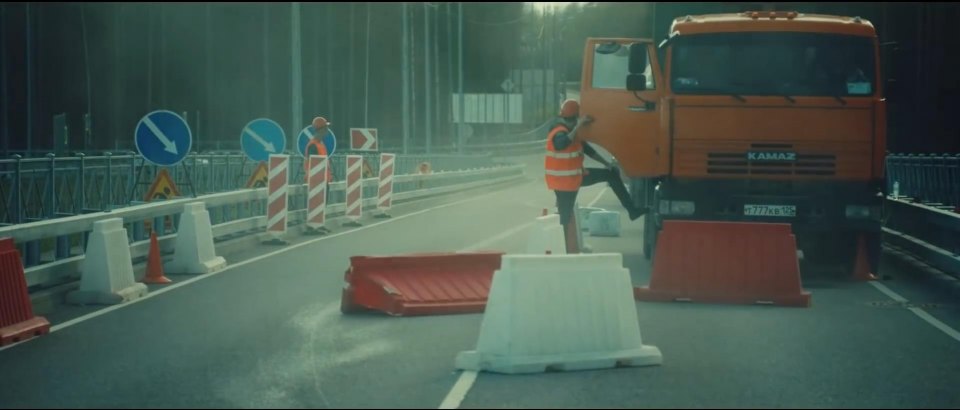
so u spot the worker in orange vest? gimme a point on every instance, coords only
(316, 147)
(565, 173)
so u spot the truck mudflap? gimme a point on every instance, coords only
(726, 262)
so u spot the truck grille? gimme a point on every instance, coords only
(738, 163)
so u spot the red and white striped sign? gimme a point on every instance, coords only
(277, 195)
(317, 192)
(363, 139)
(354, 187)
(385, 194)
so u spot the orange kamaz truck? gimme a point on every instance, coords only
(772, 117)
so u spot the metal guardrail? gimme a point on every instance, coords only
(232, 213)
(35, 189)
(931, 179)
(929, 232)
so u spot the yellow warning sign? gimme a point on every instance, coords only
(162, 188)
(367, 170)
(259, 177)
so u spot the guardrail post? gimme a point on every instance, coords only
(108, 204)
(51, 194)
(159, 225)
(226, 178)
(138, 231)
(17, 188)
(33, 253)
(82, 198)
(63, 247)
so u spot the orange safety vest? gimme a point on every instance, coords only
(321, 150)
(564, 169)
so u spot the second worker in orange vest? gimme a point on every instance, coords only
(565, 173)
(316, 147)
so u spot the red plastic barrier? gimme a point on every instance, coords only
(726, 262)
(17, 322)
(420, 284)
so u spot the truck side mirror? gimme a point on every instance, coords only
(638, 58)
(636, 82)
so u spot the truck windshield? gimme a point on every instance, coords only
(765, 64)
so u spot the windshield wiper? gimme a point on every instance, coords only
(789, 98)
(738, 97)
(840, 99)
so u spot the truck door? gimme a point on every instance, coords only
(626, 123)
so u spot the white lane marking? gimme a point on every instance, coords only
(886, 291)
(494, 239)
(936, 323)
(459, 390)
(169, 288)
(468, 377)
(949, 331)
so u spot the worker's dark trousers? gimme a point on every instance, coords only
(567, 199)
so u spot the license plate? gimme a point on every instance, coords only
(786, 211)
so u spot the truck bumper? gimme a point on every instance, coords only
(820, 206)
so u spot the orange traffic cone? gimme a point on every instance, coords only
(861, 269)
(154, 265)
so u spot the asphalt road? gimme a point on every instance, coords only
(267, 332)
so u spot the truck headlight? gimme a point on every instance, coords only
(677, 207)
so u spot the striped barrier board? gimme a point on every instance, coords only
(354, 202)
(277, 197)
(385, 192)
(317, 195)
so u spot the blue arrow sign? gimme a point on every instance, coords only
(163, 138)
(329, 140)
(262, 137)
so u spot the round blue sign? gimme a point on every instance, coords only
(329, 140)
(262, 137)
(163, 138)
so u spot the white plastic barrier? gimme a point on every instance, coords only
(107, 273)
(547, 236)
(194, 252)
(585, 217)
(605, 223)
(559, 312)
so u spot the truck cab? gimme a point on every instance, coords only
(752, 117)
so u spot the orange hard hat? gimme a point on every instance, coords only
(320, 122)
(570, 108)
